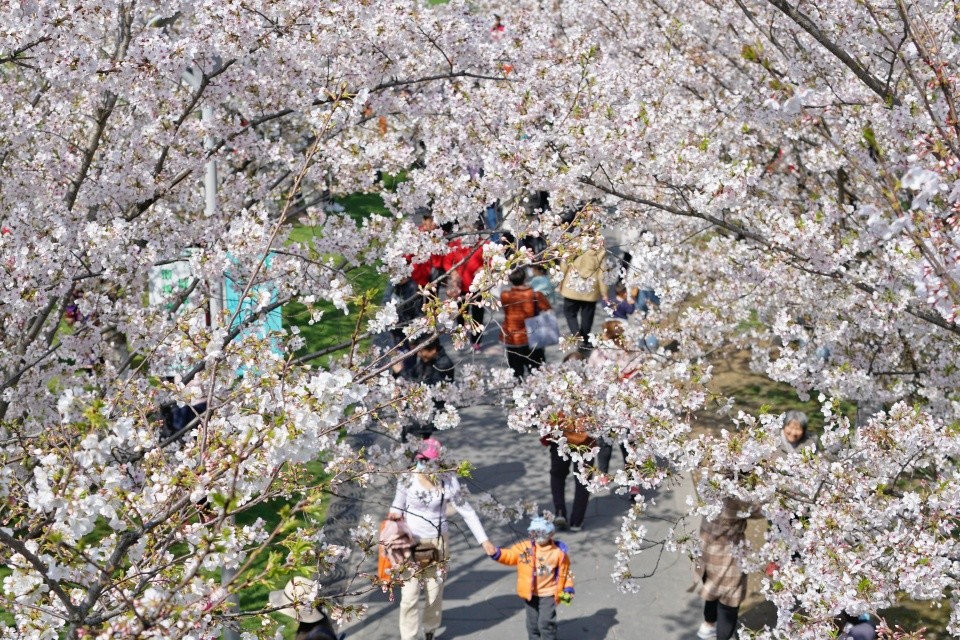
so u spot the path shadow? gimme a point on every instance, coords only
(467, 583)
(683, 622)
(593, 627)
(463, 581)
(759, 614)
(488, 477)
(752, 617)
(604, 512)
(473, 618)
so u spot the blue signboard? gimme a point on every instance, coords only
(259, 296)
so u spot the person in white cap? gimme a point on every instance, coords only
(298, 600)
(421, 500)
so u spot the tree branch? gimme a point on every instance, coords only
(808, 25)
(20, 547)
(14, 55)
(742, 232)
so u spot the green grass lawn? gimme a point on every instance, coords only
(336, 327)
(754, 393)
(255, 598)
(6, 618)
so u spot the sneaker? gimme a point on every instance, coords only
(707, 631)
(576, 528)
(560, 523)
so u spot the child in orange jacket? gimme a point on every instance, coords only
(543, 577)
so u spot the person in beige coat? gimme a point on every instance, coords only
(721, 582)
(582, 286)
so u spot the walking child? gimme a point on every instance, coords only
(543, 577)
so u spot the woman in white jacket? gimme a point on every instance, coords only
(421, 500)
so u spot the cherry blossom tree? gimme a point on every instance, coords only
(112, 525)
(793, 166)
(786, 169)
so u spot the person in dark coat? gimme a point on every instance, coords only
(431, 368)
(406, 295)
(621, 306)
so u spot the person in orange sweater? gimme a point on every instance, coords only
(543, 577)
(519, 303)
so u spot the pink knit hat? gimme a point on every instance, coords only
(429, 449)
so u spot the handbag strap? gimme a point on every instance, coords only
(443, 511)
(536, 307)
(443, 496)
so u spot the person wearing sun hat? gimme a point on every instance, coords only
(421, 501)
(297, 600)
(543, 576)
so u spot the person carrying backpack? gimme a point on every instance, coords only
(582, 286)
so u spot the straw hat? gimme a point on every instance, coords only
(300, 593)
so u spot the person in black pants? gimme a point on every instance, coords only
(582, 286)
(520, 302)
(579, 316)
(559, 470)
(605, 453)
(722, 617)
(409, 304)
(575, 432)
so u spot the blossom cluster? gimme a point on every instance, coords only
(786, 175)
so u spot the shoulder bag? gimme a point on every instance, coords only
(542, 328)
(425, 554)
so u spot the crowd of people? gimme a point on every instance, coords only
(531, 291)
(414, 537)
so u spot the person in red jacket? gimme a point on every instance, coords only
(462, 264)
(432, 268)
(543, 577)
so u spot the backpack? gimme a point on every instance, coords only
(573, 430)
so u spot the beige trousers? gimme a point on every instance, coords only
(416, 618)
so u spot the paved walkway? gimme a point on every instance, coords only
(480, 600)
